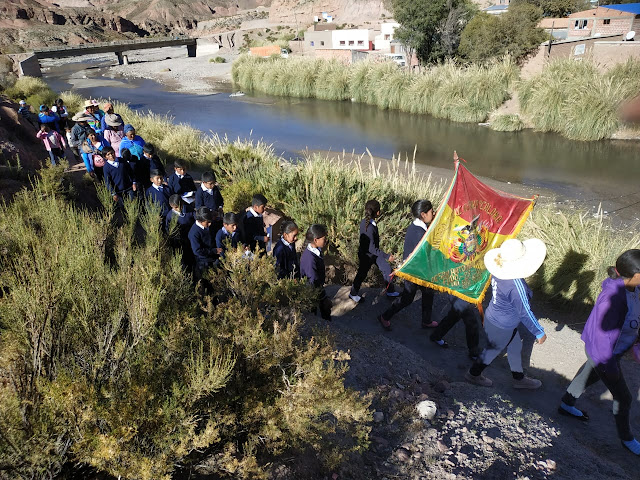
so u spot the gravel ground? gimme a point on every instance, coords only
(473, 433)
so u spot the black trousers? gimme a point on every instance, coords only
(365, 263)
(613, 379)
(406, 299)
(471, 324)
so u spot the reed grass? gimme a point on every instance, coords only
(507, 123)
(452, 91)
(577, 100)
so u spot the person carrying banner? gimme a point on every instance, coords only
(611, 330)
(423, 214)
(509, 306)
(369, 253)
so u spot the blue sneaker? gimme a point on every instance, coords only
(573, 412)
(633, 445)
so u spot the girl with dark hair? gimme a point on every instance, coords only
(369, 252)
(611, 330)
(287, 264)
(423, 214)
(312, 265)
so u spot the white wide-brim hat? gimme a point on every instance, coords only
(516, 259)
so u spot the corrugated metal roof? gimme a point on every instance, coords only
(496, 7)
(627, 7)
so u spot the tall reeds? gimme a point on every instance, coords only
(455, 92)
(578, 100)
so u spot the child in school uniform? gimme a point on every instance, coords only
(287, 263)
(118, 176)
(509, 265)
(312, 266)
(159, 193)
(180, 181)
(253, 230)
(369, 252)
(227, 233)
(183, 221)
(149, 152)
(208, 195)
(202, 242)
(423, 214)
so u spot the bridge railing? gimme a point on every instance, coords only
(89, 46)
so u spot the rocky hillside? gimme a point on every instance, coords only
(343, 11)
(32, 23)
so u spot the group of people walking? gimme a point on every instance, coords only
(194, 218)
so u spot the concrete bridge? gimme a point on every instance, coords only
(31, 65)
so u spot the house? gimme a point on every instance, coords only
(351, 39)
(496, 9)
(383, 40)
(558, 27)
(605, 20)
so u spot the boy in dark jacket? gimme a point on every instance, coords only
(118, 176)
(208, 195)
(228, 231)
(158, 193)
(202, 243)
(287, 263)
(253, 230)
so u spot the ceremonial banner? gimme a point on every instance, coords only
(473, 219)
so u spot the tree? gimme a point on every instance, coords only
(430, 28)
(514, 32)
(556, 8)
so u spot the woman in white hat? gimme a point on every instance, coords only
(114, 131)
(509, 306)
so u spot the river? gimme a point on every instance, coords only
(586, 172)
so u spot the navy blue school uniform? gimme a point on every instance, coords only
(253, 231)
(414, 235)
(181, 184)
(312, 267)
(212, 199)
(369, 253)
(287, 263)
(221, 238)
(160, 195)
(156, 164)
(118, 178)
(185, 221)
(203, 248)
(180, 237)
(141, 171)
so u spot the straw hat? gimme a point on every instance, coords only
(82, 117)
(113, 120)
(91, 103)
(516, 259)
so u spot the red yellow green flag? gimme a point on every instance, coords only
(473, 219)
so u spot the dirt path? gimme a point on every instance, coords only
(585, 451)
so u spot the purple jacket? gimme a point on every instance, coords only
(605, 322)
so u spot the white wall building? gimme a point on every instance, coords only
(352, 39)
(383, 41)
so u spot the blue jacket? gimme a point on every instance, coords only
(509, 306)
(370, 241)
(221, 237)
(156, 164)
(161, 197)
(214, 200)
(181, 185)
(287, 263)
(202, 245)
(118, 179)
(312, 267)
(134, 146)
(412, 239)
(51, 120)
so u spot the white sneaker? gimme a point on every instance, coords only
(355, 298)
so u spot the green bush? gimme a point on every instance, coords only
(111, 360)
(218, 60)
